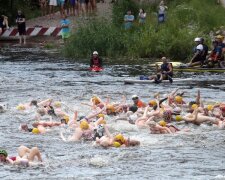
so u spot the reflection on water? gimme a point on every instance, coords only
(27, 74)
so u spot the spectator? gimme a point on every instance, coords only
(128, 20)
(161, 12)
(93, 6)
(3, 23)
(62, 4)
(21, 24)
(142, 16)
(73, 4)
(52, 4)
(65, 27)
(82, 7)
(43, 5)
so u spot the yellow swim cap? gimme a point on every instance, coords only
(20, 107)
(194, 106)
(152, 103)
(66, 118)
(116, 144)
(162, 123)
(119, 137)
(178, 99)
(110, 107)
(101, 115)
(210, 107)
(35, 131)
(178, 118)
(84, 125)
(57, 104)
(95, 100)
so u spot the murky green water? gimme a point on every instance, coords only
(27, 74)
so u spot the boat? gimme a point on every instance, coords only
(138, 81)
(96, 69)
(199, 69)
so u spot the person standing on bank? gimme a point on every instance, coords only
(21, 24)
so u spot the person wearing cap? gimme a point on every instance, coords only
(197, 59)
(26, 156)
(20, 20)
(216, 55)
(96, 61)
(137, 102)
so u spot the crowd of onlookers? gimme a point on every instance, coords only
(129, 17)
(67, 7)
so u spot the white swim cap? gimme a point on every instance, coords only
(95, 53)
(197, 39)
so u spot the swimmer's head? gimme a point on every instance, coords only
(110, 109)
(34, 103)
(162, 123)
(135, 98)
(84, 125)
(210, 107)
(133, 108)
(20, 107)
(35, 131)
(103, 121)
(152, 103)
(101, 115)
(57, 104)
(3, 155)
(116, 144)
(120, 138)
(178, 99)
(95, 100)
(65, 119)
(35, 124)
(41, 111)
(167, 115)
(194, 106)
(178, 118)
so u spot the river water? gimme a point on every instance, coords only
(27, 74)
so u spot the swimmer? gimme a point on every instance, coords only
(26, 156)
(155, 128)
(117, 141)
(138, 102)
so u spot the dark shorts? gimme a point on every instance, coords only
(22, 29)
(73, 2)
(86, 1)
(198, 59)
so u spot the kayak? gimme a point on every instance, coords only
(198, 69)
(96, 69)
(132, 81)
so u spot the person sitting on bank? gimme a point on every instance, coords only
(215, 56)
(96, 61)
(128, 20)
(197, 59)
(165, 72)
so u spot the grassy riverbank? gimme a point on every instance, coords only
(174, 38)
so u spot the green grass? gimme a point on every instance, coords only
(174, 38)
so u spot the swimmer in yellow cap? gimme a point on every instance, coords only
(117, 141)
(155, 128)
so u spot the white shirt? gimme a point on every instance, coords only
(200, 47)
